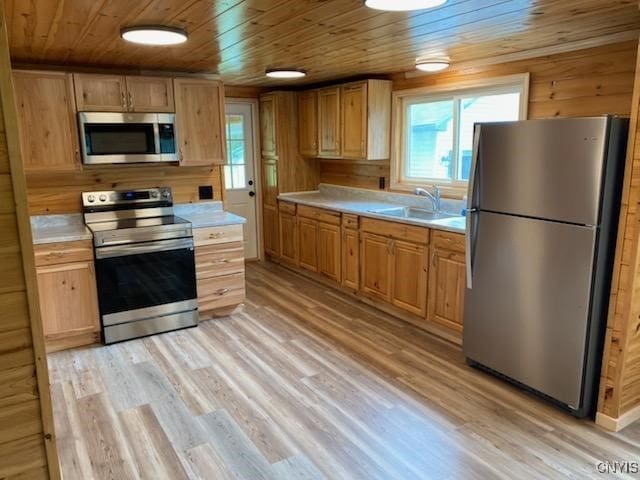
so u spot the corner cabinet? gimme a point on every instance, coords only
(200, 121)
(46, 120)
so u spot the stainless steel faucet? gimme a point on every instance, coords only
(434, 197)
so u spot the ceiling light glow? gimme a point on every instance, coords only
(286, 73)
(432, 66)
(403, 5)
(154, 35)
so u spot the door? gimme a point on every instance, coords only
(410, 262)
(47, 121)
(329, 251)
(288, 238)
(350, 258)
(308, 244)
(268, 126)
(329, 122)
(354, 120)
(527, 311)
(446, 288)
(150, 94)
(308, 122)
(375, 265)
(531, 168)
(100, 93)
(240, 171)
(200, 121)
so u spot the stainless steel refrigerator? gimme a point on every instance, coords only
(543, 207)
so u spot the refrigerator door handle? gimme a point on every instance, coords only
(471, 209)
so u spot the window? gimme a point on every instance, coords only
(434, 129)
(235, 171)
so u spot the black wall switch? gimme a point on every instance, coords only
(205, 192)
(381, 183)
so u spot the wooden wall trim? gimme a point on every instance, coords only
(19, 185)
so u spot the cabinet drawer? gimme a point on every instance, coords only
(447, 241)
(218, 260)
(63, 252)
(217, 292)
(319, 214)
(349, 221)
(215, 235)
(400, 231)
(287, 207)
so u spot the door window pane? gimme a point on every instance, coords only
(235, 127)
(487, 108)
(429, 144)
(235, 172)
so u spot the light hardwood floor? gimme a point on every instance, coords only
(305, 383)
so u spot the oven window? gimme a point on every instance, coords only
(119, 138)
(140, 281)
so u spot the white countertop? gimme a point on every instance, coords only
(362, 204)
(207, 214)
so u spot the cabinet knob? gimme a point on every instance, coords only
(222, 291)
(216, 235)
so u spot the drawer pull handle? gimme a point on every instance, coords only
(216, 235)
(223, 261)
(222, 291)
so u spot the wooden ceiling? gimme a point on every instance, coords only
(331, 39)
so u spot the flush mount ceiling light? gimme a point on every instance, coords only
(403, 5)
(285, 73)
(432, 65)
(154, 35)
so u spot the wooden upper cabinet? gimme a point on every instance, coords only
(150, 94)
(354, 120)
(46, 121)
(100, 93)
(268, 126)
(200, 121)
(308, 123)
(329, 122)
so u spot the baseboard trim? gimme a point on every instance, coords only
(617, 424)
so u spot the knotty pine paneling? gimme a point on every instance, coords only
(27, 439)
(60, 192)
(593, 81)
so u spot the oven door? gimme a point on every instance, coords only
(144, 280)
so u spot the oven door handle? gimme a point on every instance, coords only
(142, 248)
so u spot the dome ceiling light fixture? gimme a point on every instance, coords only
(154, 35)
(403, 5)
(286, 73)
(432, 65)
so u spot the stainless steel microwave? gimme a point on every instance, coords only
(109, 137)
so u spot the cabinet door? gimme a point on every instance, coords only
(269, 182)
(268, 126)
(150, 94)
(271, 231)
(354, 121)
(329, 122)
(447, 277)
(200, 121)
(288, 238)
(100, 93)
(329, 251)
(375, 265)
(46, 120)
(69, 302)
(350, 258)
(410, 275)
(308, 123)
(308, 244)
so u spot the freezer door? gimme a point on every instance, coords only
(550, 169)
(527, 313)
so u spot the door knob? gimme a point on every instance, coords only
(250, 183)
(252, 194)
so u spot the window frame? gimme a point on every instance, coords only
(402, 98)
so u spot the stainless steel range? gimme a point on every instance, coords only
(145, 266)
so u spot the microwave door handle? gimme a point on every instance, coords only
(156, 136)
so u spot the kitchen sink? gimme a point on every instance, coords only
(411, 212)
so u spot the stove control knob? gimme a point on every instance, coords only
(102, 198)
(166, 194)
(91, 198)
(154, 194)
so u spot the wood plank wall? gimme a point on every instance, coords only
(26, 422)
(620, 381)
(585, 82)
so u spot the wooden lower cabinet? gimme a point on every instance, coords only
(271, 231)
(288, 238)
(410, 276)
(447, 281)
(329, 251)
(308, 244)
(375, 265)
(69, 304)
(350, 258)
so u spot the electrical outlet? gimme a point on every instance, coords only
(205, 192)
(381, 183)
